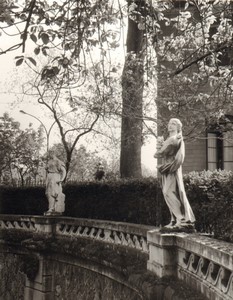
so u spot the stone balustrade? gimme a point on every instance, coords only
(202, 262)
(129, 235)
(17, 222)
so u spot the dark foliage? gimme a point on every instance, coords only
(135, 201)
(23, 200)
(211, 195)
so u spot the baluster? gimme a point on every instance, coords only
(123, 240)
(16, 225)
(129, 241)
(85, 231)
(63, 231)
(107, 236)
(9, 224)
(78, 232)
(92, 233)
(144, 244)
(71, 230)
(202, 267)
(194, 263)
(212, 273)
(116, 238)
(223, 279)
(136, 242)
(99, 233)
(24, 225)
(2, 224)
(229, 287)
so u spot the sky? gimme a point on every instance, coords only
(12, 78)
(12, 100)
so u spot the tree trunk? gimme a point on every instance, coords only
(21, 178)
(68, 162)
(132, 93)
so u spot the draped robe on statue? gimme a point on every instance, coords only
(55, 175)
(173, 153)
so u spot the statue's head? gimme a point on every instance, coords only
(176, 122)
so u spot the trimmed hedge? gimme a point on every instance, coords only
(23, 200)
(131, 201)
(211, 195)
(135, 201)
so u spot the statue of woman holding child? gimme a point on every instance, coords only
(172, 152)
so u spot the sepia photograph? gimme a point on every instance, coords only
(116, 150)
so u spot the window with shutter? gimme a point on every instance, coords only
(228, 150)
(214, 151)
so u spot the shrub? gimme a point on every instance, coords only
(23, 200)
(211, 196)
(135, 201)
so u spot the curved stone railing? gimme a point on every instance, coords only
(210, 262)
(125, 234)
(202, 262)
(79, 246)
(17, 223)
(130, 235)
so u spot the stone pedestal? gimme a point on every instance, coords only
(162, 253)
(46, 225)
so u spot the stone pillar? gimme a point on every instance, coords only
(162, 253)
(46, 225)
(41, 288)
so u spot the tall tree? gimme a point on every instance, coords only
(132, 92)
